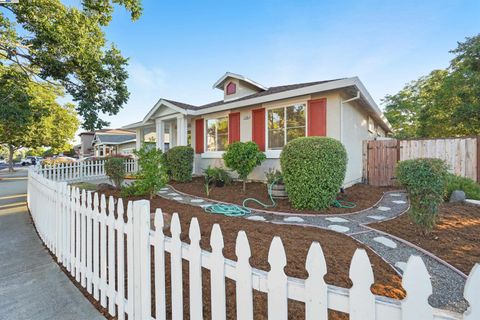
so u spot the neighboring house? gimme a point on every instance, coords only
(105, 142)
(342, 109)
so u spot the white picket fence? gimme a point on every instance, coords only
(81, 170)
(81, 229)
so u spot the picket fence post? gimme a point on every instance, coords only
(244, 278)
(217, 274)
(316, 296)
(176, 269)
(416, 281)
(277, 281)
(195, 271)
(160, 304)
(471, 294)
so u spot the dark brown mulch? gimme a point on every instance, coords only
(454, 239)
(338, 250)
(363, 195)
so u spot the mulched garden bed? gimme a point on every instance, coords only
(454, 239)
(338, 250)
(364, 196)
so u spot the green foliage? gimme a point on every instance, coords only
(179, 161)
(313, 171)
(467, 185)
(115, 170)
(443, 103)
(66, 44)
(215, 176)
(151, 176)
(243, 157)
(30, 115)
(274, 175)
(425, 181)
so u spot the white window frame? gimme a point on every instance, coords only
(212, 154)
(275, 153)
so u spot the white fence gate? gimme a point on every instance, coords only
(86, 232)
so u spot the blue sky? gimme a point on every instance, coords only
(178, 49)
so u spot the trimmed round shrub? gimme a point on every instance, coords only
(425, 180)
(313, 171)
(179, 161)
(115, 170)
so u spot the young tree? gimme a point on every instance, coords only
(67, 45)
(30, 115)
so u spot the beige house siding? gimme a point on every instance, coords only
(126, 148)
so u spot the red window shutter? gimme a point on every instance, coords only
(258, 127)
(233, 127)
(199, 136)
(317, 117)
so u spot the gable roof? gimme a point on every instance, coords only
(105, 138)
(220, 82)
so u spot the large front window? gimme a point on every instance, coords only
(284, 125)
(217, 134)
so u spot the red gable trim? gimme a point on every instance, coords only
(199, 123)
(233, 127)
(258, 127)
(317, 117)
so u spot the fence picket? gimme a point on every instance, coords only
(119, 226)
(88, 214)
(416, 281)
(277, 281)
(68, 228)
(362, 300)
(195, 271)
(176, 269)
(471, 294)
(83, 237)
(111, 256)
(217, 274)
(103, 251)
(72, 230)
(96, 244)
(77, 235)
(244, 278)
(316, 295)
(160, 308)
(130, 256)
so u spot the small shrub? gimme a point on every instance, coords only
(313, 171)
(179, 161)
(216, 176)
(467, 185)
(115, 170)
(274, 175)
(425, 181)
(151, 176)
(243, 157)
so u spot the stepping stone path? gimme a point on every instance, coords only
(386, 242)
(337, 228)
(447, 283)
(293, 219)
(336, 220)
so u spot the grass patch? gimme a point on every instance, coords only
(85, 185)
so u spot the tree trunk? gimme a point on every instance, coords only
(11, 150)
(244, 185)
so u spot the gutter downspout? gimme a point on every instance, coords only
(341, 112)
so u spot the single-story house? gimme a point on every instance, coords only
(270, 116)
(106, 142)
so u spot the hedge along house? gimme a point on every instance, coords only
(341, 108)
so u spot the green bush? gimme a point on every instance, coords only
(179, 162)
(151, 176)
(243, 157)
(467, 185)
(313, 171)
(425, 181)
(115, 170)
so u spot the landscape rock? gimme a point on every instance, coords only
(457, 196)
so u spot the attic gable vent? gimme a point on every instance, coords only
(231, 88)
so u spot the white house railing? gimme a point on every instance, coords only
(81, 170)
(86, 232)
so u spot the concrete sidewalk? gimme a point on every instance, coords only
(32, 286)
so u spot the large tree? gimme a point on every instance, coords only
(443, 103)
(30, 115)
(67, 45)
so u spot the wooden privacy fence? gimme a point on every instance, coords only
(81, 170)
(462, 155)
(88, 235)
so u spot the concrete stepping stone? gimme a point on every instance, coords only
(337, 228)
(401, 265)
(197, 200)
(293, 219)
(164, 189)
(173, 194)
(386, 242)
(472, 201)
(395, 194)
(399, 201)
(336, 220)
(256, 218)
(376, 217)
(205, 205)
(384, 208)
(177, 198)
